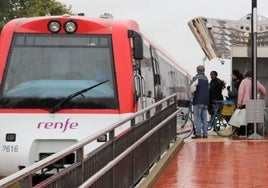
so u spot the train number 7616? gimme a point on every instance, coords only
(10, 148)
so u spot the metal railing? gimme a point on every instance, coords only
(121, 162)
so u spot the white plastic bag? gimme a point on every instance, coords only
(238, 118)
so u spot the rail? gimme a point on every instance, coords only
(121, 162)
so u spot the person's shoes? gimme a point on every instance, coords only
(205, 136)
(196, 136)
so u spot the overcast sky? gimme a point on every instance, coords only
(165, 21)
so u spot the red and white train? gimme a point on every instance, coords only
(64, 78)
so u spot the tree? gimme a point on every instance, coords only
(11, 9)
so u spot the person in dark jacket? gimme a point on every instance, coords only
(216, 86)
(200, 92)
(237, 77)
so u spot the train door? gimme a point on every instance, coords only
(143, 77)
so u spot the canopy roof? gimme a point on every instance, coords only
(217, 36)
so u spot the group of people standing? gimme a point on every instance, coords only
(205, 94)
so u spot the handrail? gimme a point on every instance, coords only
(111, 164)
(28, 171)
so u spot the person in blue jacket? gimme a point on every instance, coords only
(200, 92)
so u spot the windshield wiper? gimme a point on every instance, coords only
(68, 98)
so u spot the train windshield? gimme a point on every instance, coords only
(44, 69)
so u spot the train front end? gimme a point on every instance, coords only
(58, 86)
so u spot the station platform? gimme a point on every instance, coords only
(214, 162)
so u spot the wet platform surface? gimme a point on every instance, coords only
(217, 163)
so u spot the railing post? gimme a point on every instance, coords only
(176, 107)
(132, 124)
(111, 137)
(80, 158)
(27, 181)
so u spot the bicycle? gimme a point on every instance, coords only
(185, 128)
(218, 121)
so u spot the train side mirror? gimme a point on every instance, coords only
(137, 44)
(138, 48)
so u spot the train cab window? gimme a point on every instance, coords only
(44, 69)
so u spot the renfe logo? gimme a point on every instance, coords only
(63, 126)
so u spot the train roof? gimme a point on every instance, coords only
(102, 22)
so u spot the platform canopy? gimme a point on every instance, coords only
(217, 36)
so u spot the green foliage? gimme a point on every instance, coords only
(11, 9)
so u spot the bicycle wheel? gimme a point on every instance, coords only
(185, 129)
(222, 128)
(209, 125)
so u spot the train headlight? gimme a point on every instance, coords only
(70, 26)
(54, 26)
